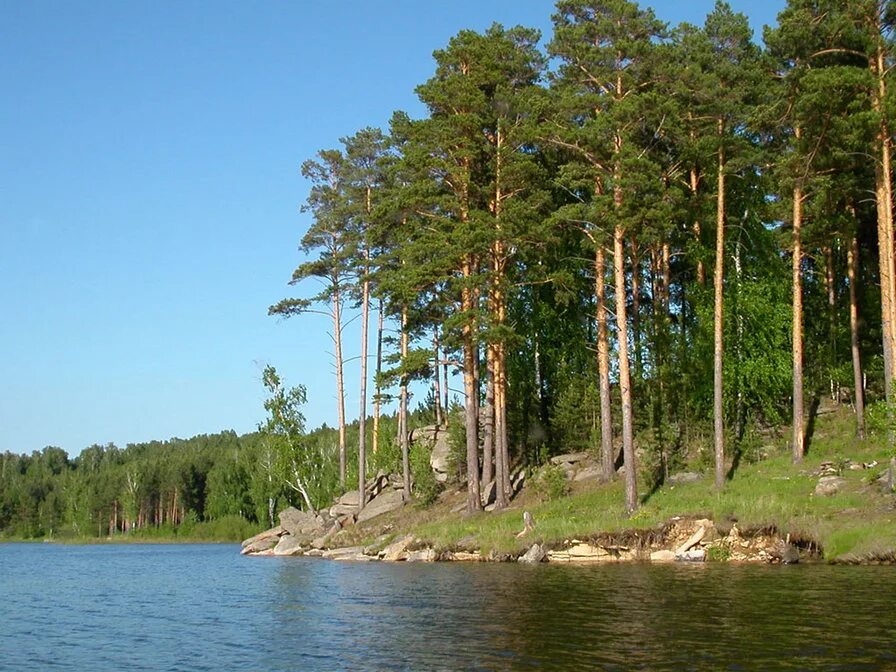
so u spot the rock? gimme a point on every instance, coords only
(324, 540)
(438, 459)
(350, 498)
(790, 554)
(345, 553)
(386, 501)
(683, 477)
(314, 553)
(588, 473)
(376, 485)
(424, 433)
(533, 556)
(338, 510)
(262, 542)
(397, 550)
(570, 458)
(621, 471)
(581, 553)
(488, 493)
(464, 556)
(663, 556)
(694, 555)
(459, 507)
(829, 485)
(424, 555)
(298, 523)
(288, 545)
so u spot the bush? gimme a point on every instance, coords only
(426, 487)
(549, 482)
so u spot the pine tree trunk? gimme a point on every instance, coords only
(377, 393)
(340, 384)
(362, 414)
(488, 422)
(438, 378)
(403, 409)
(471, 391)
(852, 263)
(603, 367)
(884, 200)
(636, 314)
(831, 292)
(718, 313)
(625, 383)
(797, 259)
(694, 184)
(445, 392)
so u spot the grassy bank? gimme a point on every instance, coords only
(859, 522)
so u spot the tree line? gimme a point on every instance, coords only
(638, 237)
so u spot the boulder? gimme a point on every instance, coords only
(588, 473)
(683, 477)
(694, 555)
(438, 459)
(517, 481)
(298, 523)
(581, 553)
(350, 498)
(397, 550)
(345, 553)
(288, 545)
(323, 540)
(424, 555)
(829, 485)
(533, 556)
(339, 510)
(570, 458)
(663, 556)
(264, 541)
(386, 501)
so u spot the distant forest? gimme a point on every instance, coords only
(652, 242)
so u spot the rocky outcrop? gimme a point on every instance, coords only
(289, 545)
(386, 501)
(260, 543)
(437, 439)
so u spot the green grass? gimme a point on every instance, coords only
(859, 521)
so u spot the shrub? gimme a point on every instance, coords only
(549, 482)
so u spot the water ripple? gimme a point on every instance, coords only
(186, 608)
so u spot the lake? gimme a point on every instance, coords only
(205, 607)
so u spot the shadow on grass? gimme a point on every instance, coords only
(810, 425)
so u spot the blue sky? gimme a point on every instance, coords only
(150, 194)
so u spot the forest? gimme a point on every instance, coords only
(661, 244)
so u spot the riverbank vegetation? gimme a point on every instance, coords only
(658, 244)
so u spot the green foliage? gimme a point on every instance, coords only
(549, 482)
(426, 488)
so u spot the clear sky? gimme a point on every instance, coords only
(150, 194)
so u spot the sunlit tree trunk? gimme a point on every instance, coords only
(403, 408)
(603, 366)
(797, 259)
(377, 394)
(362, 414)
(718, 314)
(340, 382)
(852, 262)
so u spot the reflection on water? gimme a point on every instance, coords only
(207, 608)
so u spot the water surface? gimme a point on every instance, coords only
(205, 607)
